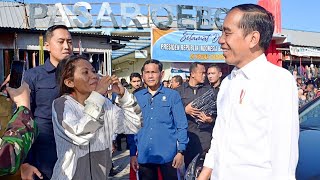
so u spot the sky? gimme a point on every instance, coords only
(296, 14)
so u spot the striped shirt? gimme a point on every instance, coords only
(83, 134)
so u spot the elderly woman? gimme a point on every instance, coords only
(84, 120)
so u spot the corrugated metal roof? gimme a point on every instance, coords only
(15, 15)
(302, 38)
(131, 45)
(12, 15)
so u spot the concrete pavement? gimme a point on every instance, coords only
(121, 162)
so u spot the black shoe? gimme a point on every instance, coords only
(112, 173)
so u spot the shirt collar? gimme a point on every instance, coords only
(48, 66)
(235, 72)
(192, 87)
(159, 90)
(249, 71)
(217, 86)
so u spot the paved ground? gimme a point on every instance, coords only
(121, 162)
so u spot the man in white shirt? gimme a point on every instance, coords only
(257, 128)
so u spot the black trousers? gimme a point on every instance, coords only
(149, 171)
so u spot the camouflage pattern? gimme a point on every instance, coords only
(17, 140)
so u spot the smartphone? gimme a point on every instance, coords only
(16, 74)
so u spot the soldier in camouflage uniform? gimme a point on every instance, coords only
(20, 133)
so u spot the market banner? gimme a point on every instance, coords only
(186, 46)
(304, 51)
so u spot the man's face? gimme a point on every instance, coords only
(174, 83)
(310, 87)
(213, 75)
(135, 82)
(59, 45)
(166, 84)
(151, 75)
(236, 47)
(299, 81)
(199, 74)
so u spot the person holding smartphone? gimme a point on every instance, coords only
(44, 90)
(6, 106)
(20, 133)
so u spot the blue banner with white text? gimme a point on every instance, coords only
(186, 46)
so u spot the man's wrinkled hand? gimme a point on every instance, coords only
(134, 163)
(194, 112)
(204, 118)
(178, 161)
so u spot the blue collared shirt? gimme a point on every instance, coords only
(164, 128)
(44, 89)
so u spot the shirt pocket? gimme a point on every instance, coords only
(251, 132)
(165, 113)
(252, 119)
(46, 93)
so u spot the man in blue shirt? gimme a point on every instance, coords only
(44, 90)
(163, 138)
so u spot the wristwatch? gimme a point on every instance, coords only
(181, 152)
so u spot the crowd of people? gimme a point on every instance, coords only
(248, 127)
(200, 124)
(308, 83)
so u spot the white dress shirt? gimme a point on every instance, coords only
(257, 129)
